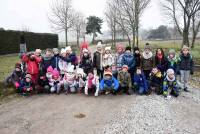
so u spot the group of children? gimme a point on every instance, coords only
(103, 72)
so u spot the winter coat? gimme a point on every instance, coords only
(32, 66)
(15, 77)
(118, 61)
(86, 64)
(140, 80)
(185, 62)
(46, 62)
(167, 83)
(80, 82)
(23, 86)
(161, 63)
(124, 79)
(147, 63)
(172, 63)
(137, 60)
(156, 79)
(97, 60)
(108, 60)
(95, 82)
(113, 83)
(62, 64)
(72, 58)
(129, 60)
(54, 62)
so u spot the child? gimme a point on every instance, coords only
(46, 60)
(84, 47)
(32, 62)
(170, 85)
(71, 57)
(129, 60)
(147, 61)
(161, 60)
(86, 62)
(49, 73)
(156, 80)
(107, 57)
(109, 83)
(97, 60)
(26, 86)
(15, 77)
(172, 60)
(62, 63)
(185, 66)
(42, 84)
(140, 82)
(137, 56)
(38, 53)
(114, 70)
(69, 80)
(124, 80)
(54, 83)
(55, 59)
(80, 83)
(118, 57)
(92, 84)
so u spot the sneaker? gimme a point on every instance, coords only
(107, 92)
(168, 97)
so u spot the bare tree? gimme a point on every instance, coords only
(79, 26)
(62, 16)
(185, 11)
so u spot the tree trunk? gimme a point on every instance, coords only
(133, 43)
(77, 37)
(93, 38)
(185, 38)
(66, 37)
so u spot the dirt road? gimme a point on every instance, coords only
(80, 114)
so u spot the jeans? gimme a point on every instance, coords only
(185, 76)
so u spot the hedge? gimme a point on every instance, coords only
(10, 41)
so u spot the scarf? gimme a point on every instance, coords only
(147, 56)
(90, 82)
(160, 56)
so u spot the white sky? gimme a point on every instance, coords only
(15, 14)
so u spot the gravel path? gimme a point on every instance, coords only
(122, 114)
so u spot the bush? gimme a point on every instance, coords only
(10, 41)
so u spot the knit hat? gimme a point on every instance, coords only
(84, 45)
(108, 72)
(68, 48)
(172, 51)
(128, 48)
(80, 71)
(70, 68)
(185, 47)
(50, 69)
(125, 66)
(63, 50)
(28, 76)
(120, 46)
(170, 71)
(147, 46)
(55, 73)
(136, 49)
(18, 65)
(108, 49)
(55, 50)
(99, 45)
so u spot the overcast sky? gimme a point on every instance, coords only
(16, 14)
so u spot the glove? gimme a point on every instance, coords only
(16, 84)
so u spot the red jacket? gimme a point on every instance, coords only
(32, 66)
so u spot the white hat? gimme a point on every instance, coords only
(68, 48)
(170, 71)
(99, 45)
(63, 50)
(80, 71)
(107, 48)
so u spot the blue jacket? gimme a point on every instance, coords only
(54, 62)
(109, 83)
(129, 60)
(140, 80)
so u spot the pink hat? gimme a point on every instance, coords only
(120, 46)
(55, 73)
(50, 69)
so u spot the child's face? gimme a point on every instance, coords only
(137, 52)
(155, 70)
(107, 52)
(159, 51)
(128, 51)
(79, 76)
(41, 77)
(124, 69)
(120, 50)
(37, 53)
(17, 69)
(171, 76)
(107, 77)
(171, 56)
(185, 51)
(147, 51)
(99, 48)
(56, 53)
(139, 71)
(28, 80)
(63, 54)
(48, 53)
(85, 54)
